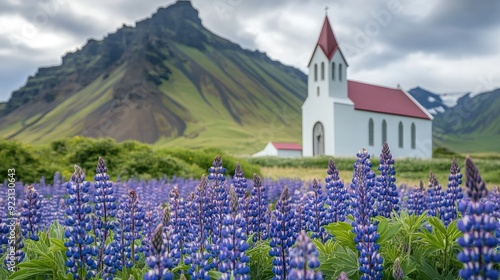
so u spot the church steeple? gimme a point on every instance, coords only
(327, 40)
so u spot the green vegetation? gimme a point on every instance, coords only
(409, 171)
(127, 159)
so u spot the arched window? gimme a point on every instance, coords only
(315, 72)
(384, 132)
(370, 132)
(340, 72)
(322, 71)
(317, 90)
(318, 139)
(400, 134)
(333, 71)
(413, 136)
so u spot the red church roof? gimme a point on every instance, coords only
(386, 100)
(287, 146)
(327, 40)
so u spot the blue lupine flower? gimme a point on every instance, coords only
(233, 260)
(105, 210)
(180, 228)
(18, 256)
(304, 260)
(388, 196)
(220, 201)
(337, 196)
(478, 225)
(417, 201)
(200, 231)
(316, 212)
(156, 259)
(495, 200)
(240, 186)
(130, 217)
(81, 252)
(362, 202)
(4, 230)
(453, 194)
(397, 271)
(298, 204)
(258, 208)
(282, 236)
(31, 213)
(435, 197)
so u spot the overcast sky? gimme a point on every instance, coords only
(444, 46)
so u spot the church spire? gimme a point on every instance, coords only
(327, 40)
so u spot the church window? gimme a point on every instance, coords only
(340, 72)
(413, 136)
(400, 134)
(315, 72)
(318, 139)
(333, 71)
(317, 90)
(322, 71)
(370, 132)
(384, 132)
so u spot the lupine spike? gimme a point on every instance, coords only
(478, 225)
(397, 270)
(258, 207)
(453, 194)
(337, 196)
(387, 197)
(434, 198)
(31, 213)
(363, 198)
(315, 212)
(417, 200)
(304, 260)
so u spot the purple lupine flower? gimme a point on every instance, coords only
(4, 230)
(220, 203)
(362, 202)
(304, 260)
(495, 199)
(453, 194)
(282, 236)
(387, 197)
(131, 222)
(200, 230)
(343, 276)
(233, 260)
(240, 186)
(300, 212)
(31, 213)
(13, 258)
(156, 259)
(180, 228)
(258, 207)
(434, 198)
(105, 211)
(478, 225)
(417, 201)
(337, 195)
(397, 271)
(81, 252)
(316, 212)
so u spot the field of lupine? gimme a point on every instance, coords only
(219, 227)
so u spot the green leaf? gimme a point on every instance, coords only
(342, 233)
(386, 230)
(215, 274)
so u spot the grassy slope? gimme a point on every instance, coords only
(213, 126)
(66, 118)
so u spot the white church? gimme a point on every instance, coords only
(339, 116)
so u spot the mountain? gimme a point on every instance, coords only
(473, 125)
(168, 81)
(431, 101)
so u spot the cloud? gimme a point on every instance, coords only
(443, 45)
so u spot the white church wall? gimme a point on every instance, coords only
(356, 129)
(338, 87)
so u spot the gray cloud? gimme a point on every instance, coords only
(442, 31)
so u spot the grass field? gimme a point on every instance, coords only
(408, 171)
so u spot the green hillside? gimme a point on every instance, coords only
(167, 81)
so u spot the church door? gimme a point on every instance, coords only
(318, 140)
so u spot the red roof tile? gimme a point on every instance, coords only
(287, 146)
(381, 99)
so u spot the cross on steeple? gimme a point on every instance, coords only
(326, 10)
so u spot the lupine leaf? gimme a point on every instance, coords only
(342, 233)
